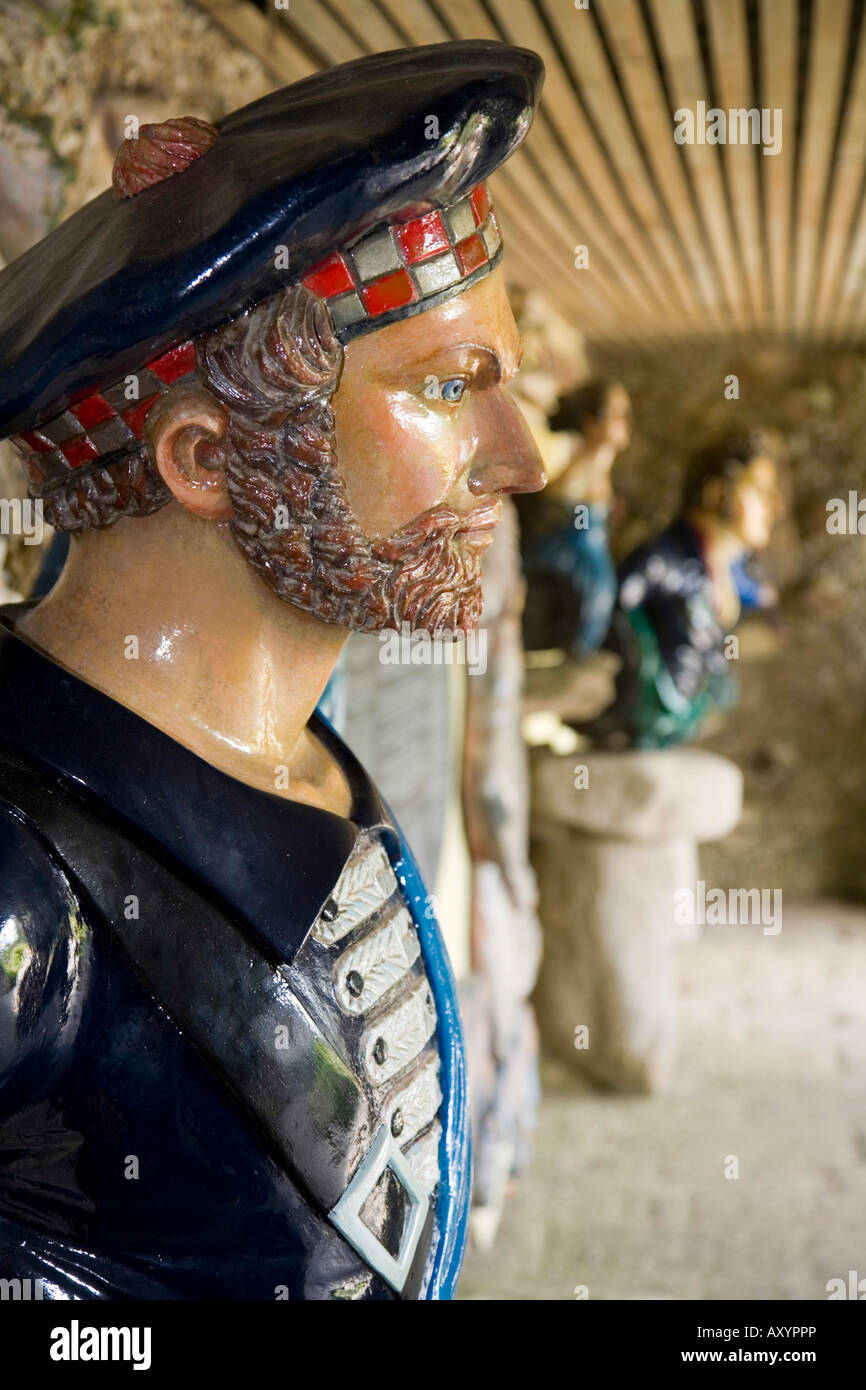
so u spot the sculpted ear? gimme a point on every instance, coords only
(188, 432)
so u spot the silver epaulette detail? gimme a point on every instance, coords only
(379, 983)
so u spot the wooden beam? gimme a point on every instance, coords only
(417, 20)
(607, 208)
(378, 31)
(678, 40)
(548, 183)
(553, 251)
(840, 287)
(681, 241)
(778, 36)
(312, 23)
(521, 264)
(590, 70)
(263, 35)
(826, 57)
(734, 91)
(642, 83)
(536, 190)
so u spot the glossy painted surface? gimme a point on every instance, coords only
(433, 392)
(222, 665)
(284, 172)
(173, 686)
(93, 1072)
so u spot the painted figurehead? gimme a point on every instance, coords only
(732, 493)
(682, 593)
(297, 332)
(261, 382)
(598, 416)
(572, 581)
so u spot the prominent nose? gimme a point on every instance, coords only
(506, 459)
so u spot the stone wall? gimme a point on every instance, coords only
(71, 72)
(799, 733)
(70, 76)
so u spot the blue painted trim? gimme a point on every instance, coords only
(455, 1153)
(455, 1157)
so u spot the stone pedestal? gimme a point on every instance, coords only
(615, 835)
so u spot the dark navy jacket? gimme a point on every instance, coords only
(667, 577)
(131, 1163)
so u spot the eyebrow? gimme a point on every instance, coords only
(484, 360)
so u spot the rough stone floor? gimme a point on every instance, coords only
(628, 1196)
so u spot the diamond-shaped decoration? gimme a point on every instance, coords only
(112, 434)
(37, 441)
(117, 397)
(172, 365)
(137, 414)
(346, 1215)
(54, 466)
(480, 200)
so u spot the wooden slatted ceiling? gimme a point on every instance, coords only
(778, 49)
(686, 239)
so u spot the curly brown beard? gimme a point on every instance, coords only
(276, 368)
(434, 583)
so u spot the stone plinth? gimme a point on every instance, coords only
(615, 835)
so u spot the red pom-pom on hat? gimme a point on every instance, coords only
(159, 152)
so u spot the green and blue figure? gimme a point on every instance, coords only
(682, 593)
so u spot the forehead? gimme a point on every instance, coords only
(618, 401)
(761, 472)
(481, 317)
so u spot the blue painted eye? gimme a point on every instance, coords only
(452, 390)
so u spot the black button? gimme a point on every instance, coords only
(330, 910)
(380, 1051)
(354, 983)
(397, 1123)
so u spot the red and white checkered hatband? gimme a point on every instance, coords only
(390, 272)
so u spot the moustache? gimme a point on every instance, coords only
(438, 524)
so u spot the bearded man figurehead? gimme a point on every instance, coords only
(349, 428)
